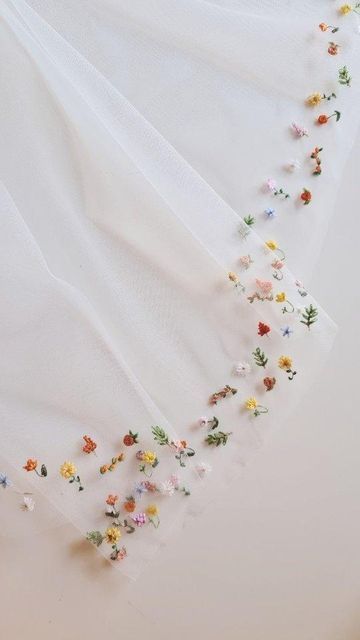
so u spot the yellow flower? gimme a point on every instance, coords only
(232, 276)
(271, 244)
(251, 403)
(285, 362)
(314, 99)
(345, 9)
(152, 510)
(280, 297)
(149, 457)
(67, 470)
(112, 535)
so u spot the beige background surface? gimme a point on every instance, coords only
(284, 564)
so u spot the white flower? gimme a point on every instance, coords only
(28, 503)
(167, 488)
(203, 421)
(203, 469)
(293, 165)
(242, 369)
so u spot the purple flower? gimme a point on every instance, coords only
(139, 519)
(270, 212)
(286, 331)
(4, 481)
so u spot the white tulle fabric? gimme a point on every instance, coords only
(135, 136)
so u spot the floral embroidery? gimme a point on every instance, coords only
(203, 469)
(344, 76)
(273, 246)
(149, 462)
(260, 358)
(114, 461)
(28, 503)
(315, 156)
(277, 265)
(130, 438)
(270, 213)
(325, 27)
(89, 445)
(235, 280)
(263, 329)
(298, 130)
(288, 306)
(315, 98)
(264, 291)
(251, 404)
(309, 316)
(152, 513)
(293, 165)
(306, 196)
(285, 363)
(112, 536)
(242, 369)
(180, 447)
(246, 261)
(269, 383)
(4, 481)
(333, 48)
(31, 465)
(301, 290)
(223, 393)
(347, 8)
(286, 332)
(275, 190)
(69, 472)
(324, 119)
(129, 505)
(217, 438)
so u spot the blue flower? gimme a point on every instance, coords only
(286, 331)
(4, 481)
(140, 489)
(270, 212)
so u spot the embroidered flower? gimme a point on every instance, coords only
(315, 155)
(130, 438)
(152, 513)
(149, 461)
(323, 118)
(270, 213)
(298, 130)
(274, 189)
(203, 469)
(139, 519)
(288, 306)
(273, 246)
(333, 48)
(306, 196)
(345, 9)
(225, 392)
(286, 331)
(246, 261)
(89, 445)
(263, 292)
(269, 383)
(242, 369)
(112, 500)
(235, 280)
(280, 297)
(285, 363)
(28, 503)
(114, 461)
(293, 165)
(130, 504)
(69, 472)
(314, 99)
(181, 448)
(167, 488)
(325, 27)
(4, 481)
(211, 423)
(277, 265)
(251, 404)
(31, 465)
(112, 535)
(263, 329)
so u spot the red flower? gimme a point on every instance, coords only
(269, 383)
(263, 329)
(130, 439)
(322, 119)
(89, 445)
(306, 196)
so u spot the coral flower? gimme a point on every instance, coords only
(323, 118)
(129, 505)
(112, 500)
(89, 445)
(30, 465)
(112, 535)
(333, 48)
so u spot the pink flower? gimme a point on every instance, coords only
(277, 264)
(264, 286)
(298, 130)
(139, 519)
(271, 184)
(175, 480)
(245, 261)
(203, 421)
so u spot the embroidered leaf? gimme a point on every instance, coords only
(217, 438)
(249, 220)
(310, 316)
(96, 537)
(344, 76)
(260, 358)
(160, 435)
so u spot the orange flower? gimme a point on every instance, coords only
(89, 445)
(30, 465)
(323, 26)
(323, 119)
(129, 505)
(111, 500)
